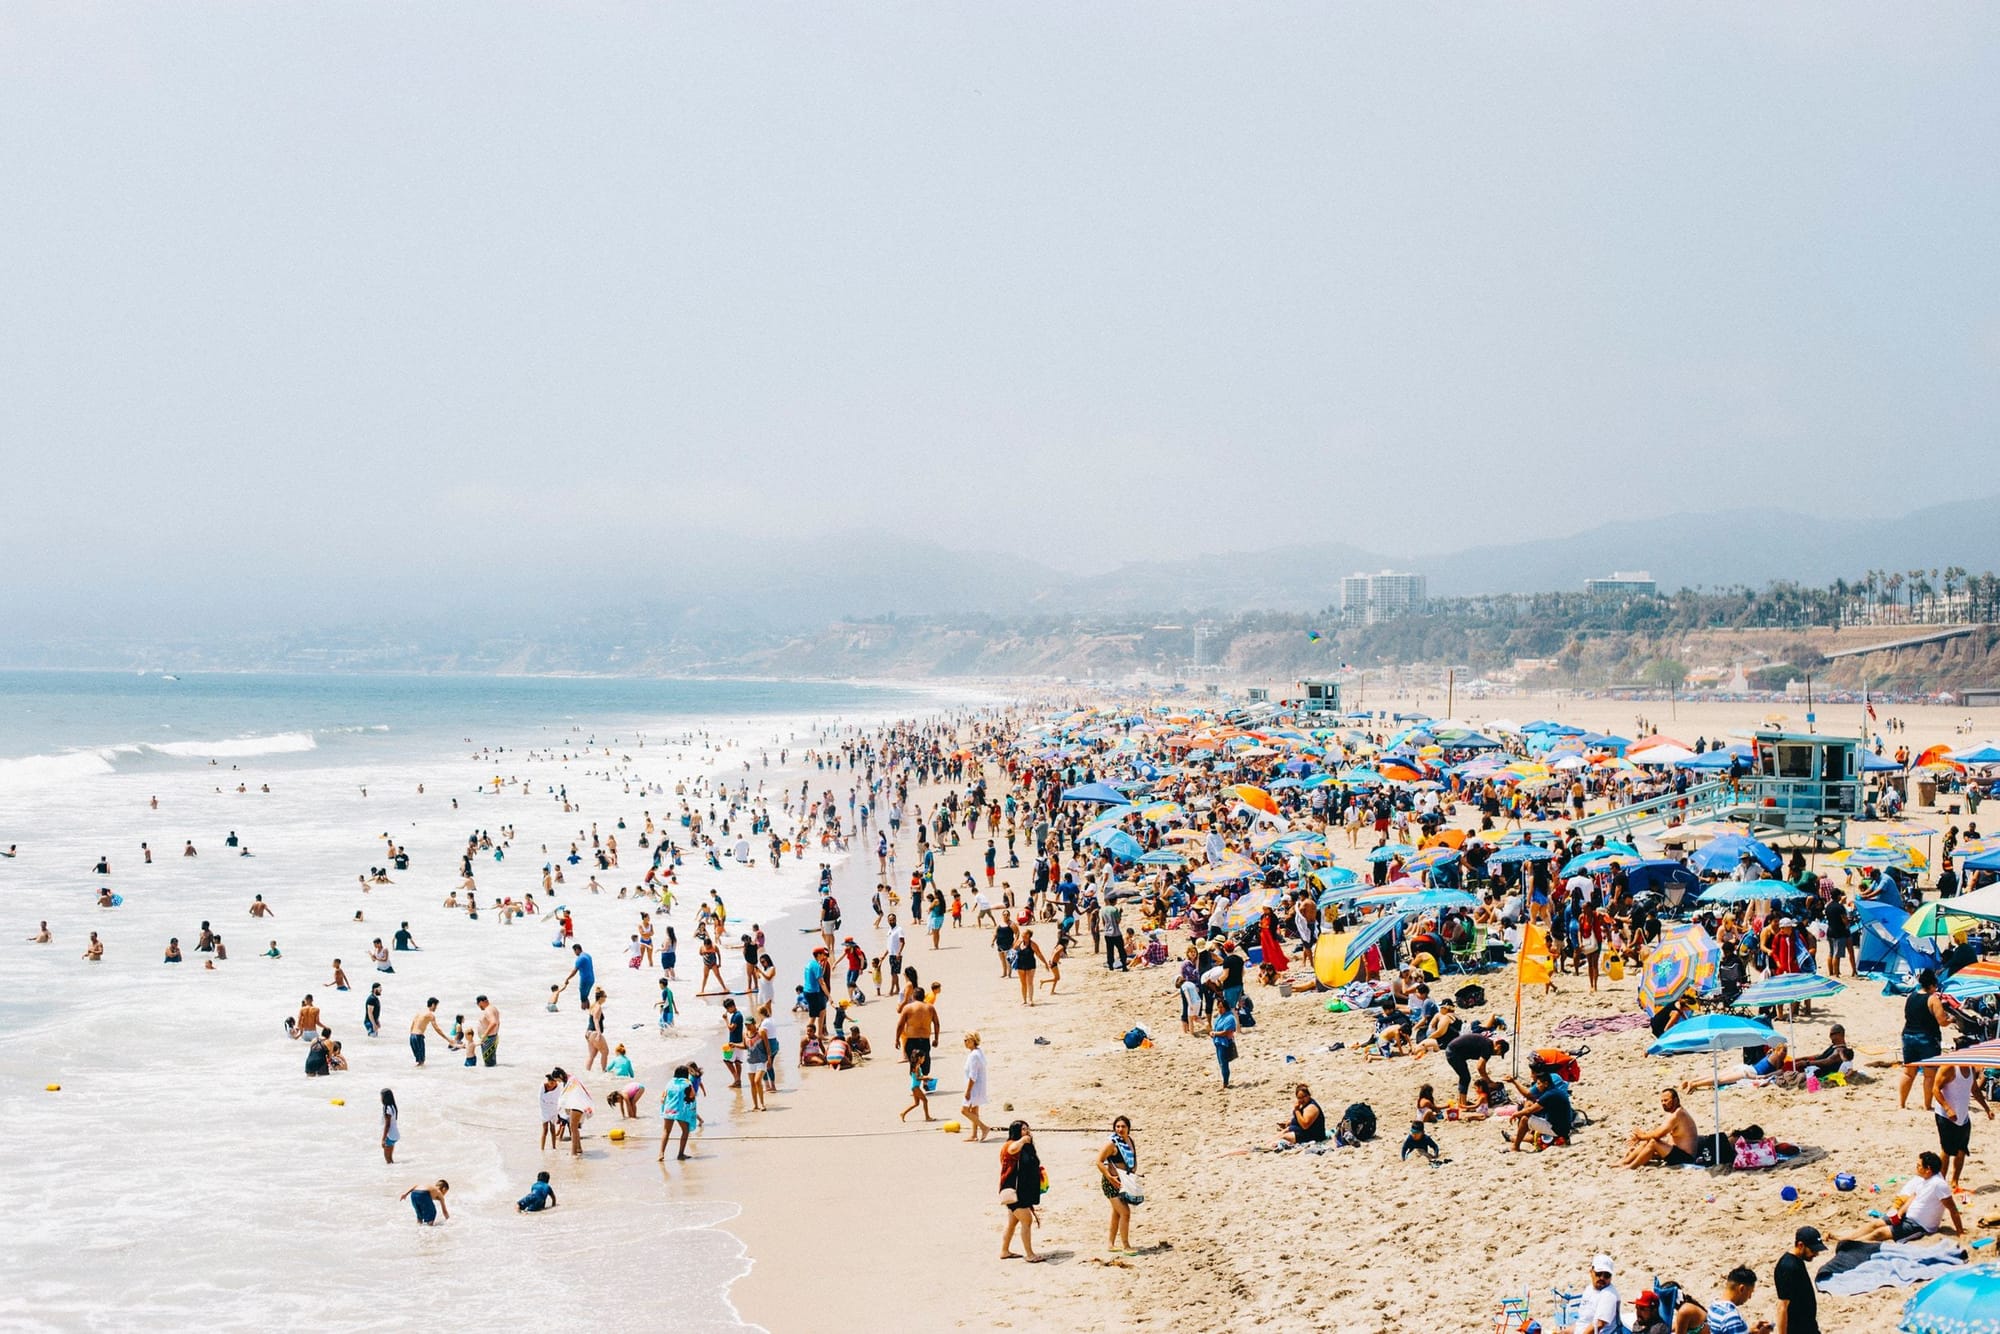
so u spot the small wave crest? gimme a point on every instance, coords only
(282, 743)
(33, 771)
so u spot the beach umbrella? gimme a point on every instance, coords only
(1752, 891)
(1723, 854)
(1430, 858)
(1988, 860)
(1521, 852)
(1787, 989)
(1390, 851)
(1243, 913)
(1684, 960)
(1935, 919)
(1102, 794)
(1430, 899)
(1335, 877)
(1256, 798)
(1980, 1056)
(1368, 935)
(1584, 861)
(1876, 855)
(1975, 980)
(1231, 867)
(1965, 1301)
(1714, 1033)
(1163, 857)
(1121, 845)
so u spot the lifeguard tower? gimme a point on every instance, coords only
(1318, 697)
(1802, 785)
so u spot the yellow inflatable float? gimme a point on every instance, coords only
(617, 1134)
(1330, 960)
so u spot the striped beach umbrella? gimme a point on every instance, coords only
(1365, 938)
(1975, 980)
(1980, 1055)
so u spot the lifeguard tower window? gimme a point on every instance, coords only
(1795, 761)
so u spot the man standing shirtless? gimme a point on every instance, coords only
(426, 1019)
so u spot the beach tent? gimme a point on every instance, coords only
(1878, 764)
(1888, 949)
(1987, 753)
(1981, 903)
(1716, 761)
(1661, 876)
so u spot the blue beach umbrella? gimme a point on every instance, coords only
(1368, 935)
(1102, 794)
(1521, 852)
(1121, 845)
(1391, 851)
(1787, 989)
(1724, 853)
(1714, 1034)
(1751, 891)
(1966, 1301)
(1163, 857)
(1428, 900)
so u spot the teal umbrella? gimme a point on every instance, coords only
(1714, 1033)
(1964, 1302)
(1368, 935)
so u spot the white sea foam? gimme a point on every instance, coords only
(284, 743)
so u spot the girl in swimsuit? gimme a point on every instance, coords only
(598, 1051)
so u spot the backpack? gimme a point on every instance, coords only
(1470, 997)
(1357, 1124)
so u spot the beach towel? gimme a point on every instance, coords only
(1863, 1266)
(1582, 1026)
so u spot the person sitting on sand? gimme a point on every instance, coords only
(1427, 1107)
(1772, 1061)
(1928, 1197)
(1545, 1110)
(1837, 1058)
(1308, 1122)
(1419, 1141)
(1487, 1094)
(1672, 1142)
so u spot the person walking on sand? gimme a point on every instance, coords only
(391, 1132)
(919, 1094)
(1026, 955)
(1222, 1032)
(1020, 1191)
(1117, 1161)
(975, 1089)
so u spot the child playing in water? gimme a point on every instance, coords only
(667, 1006)
(540, 1196)
(428, 1201)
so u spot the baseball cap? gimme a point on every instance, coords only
(1601, 1265)
(1809, 1236)
(1647, 1298)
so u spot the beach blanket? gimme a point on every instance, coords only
(1863, 1266)
(1590, 1026)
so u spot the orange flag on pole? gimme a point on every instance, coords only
(1536, 968)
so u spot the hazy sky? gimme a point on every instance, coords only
(335, 287)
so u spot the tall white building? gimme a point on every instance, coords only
(1380, 597)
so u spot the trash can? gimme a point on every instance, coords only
(1926, 792)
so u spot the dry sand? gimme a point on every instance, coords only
(903, 1222)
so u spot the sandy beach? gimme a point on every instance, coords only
(1350, 1240)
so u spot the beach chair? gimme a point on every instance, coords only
(1513, 1314)
(1569, 1305)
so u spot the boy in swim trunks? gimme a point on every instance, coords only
(428, 1201)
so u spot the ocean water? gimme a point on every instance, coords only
(187, 1172)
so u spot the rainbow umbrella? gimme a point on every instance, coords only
(1685, 960)
(1980, 1055)
(1430, 859)
(1975, 980)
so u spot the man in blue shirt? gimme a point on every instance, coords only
(584, 974)
(815, 996)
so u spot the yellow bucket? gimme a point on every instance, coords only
(1616, 968)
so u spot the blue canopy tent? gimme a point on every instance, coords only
(1716, 761)
(1661, 877)
(1878, 764)
(1888, 949)
(1986, 754)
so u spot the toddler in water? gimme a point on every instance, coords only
(555, 996)
(540, 1196)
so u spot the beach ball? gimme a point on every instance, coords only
(617, 1134)
(55, 1088)
(339, 1102)
(950, 1127)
